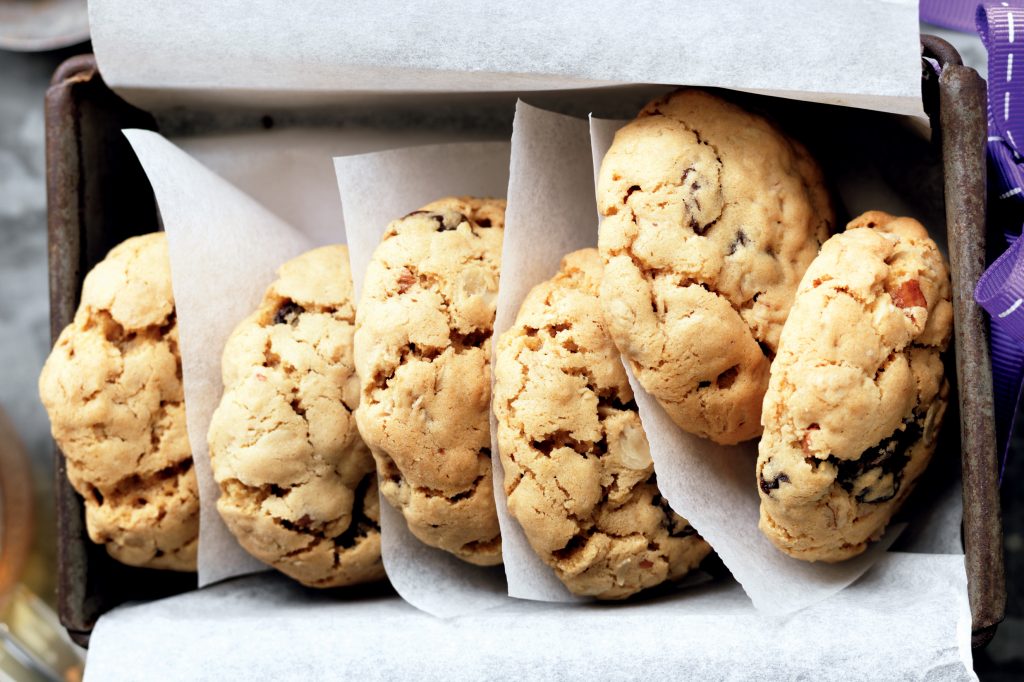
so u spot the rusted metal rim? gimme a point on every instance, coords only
(940, 50)
(964, 128)
(81, 67)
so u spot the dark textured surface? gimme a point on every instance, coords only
(1003, 659)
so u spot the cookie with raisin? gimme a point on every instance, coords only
(858, 389)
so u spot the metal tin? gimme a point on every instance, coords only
(964, 128)
(98, 196)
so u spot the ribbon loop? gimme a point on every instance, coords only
(1000, 290)
(1001, 27)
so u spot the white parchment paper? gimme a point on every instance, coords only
(550, 213)
(290, 169)
(236, 248)
(223, 240)
(224, 248)
(376, 189)
(863, 53)
(887, 626)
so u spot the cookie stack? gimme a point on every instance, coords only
(716, 279)
(737, 315)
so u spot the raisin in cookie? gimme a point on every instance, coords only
(578, 472)
(709, 218)
(298, 486)
(857, 391)
(422, 348)
(112, 387)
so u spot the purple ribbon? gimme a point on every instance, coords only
(1000, 290)
(955, 14)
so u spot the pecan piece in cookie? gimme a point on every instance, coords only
(578, 471)
(857, 391)
(422, 350)
(908, 295)
(710, 216)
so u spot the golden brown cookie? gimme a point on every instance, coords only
(112, 387)
(578, 472)
(298, 486)
(857, 391)
(710, 216)
(422, 349)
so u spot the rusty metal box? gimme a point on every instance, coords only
(98, 196)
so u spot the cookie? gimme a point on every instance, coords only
(578, 471)
(298, 488)
(857, 391)
(710, 216)
(112, 388)
(422, 349)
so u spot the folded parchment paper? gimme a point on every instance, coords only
(551, 212)
(290, 171)
(861, 53)
(224, 248)
(376, 189)
(906, 619)
(223, 240)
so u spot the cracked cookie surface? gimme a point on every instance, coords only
(422, 350)
(298, 486)
(112, 388)
(578, 471)
(858, 389)
(710, 216)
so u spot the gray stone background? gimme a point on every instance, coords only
(24, 334)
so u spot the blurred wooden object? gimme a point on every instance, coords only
(15, 507)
